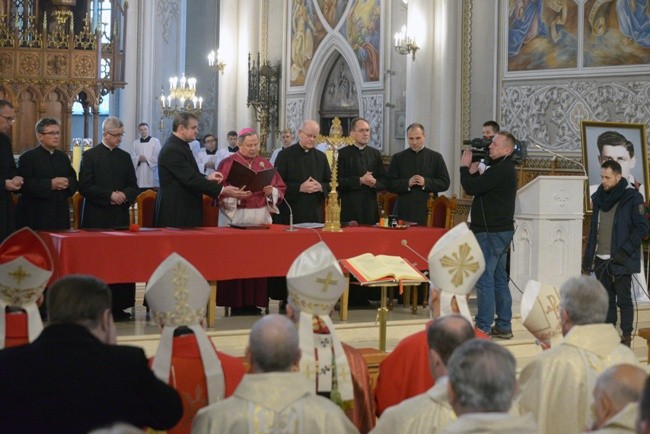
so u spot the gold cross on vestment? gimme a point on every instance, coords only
(327, 281)
(19, 274)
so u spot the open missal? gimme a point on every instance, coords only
(241, 176)
(369, 269)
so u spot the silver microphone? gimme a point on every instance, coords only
(405, 244)
(291, 228)
(548, 151)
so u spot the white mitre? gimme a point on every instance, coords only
(456, 262)
(315, 282)
(540, 311)
(25, 268)
(177, 295)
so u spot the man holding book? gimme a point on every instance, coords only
(245, 295)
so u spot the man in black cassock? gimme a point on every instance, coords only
(8, 173)
(414, 173)
(307, 175)
(361, 175)
(108, 184)
(49, 181)
(179, 202)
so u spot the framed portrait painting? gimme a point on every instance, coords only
(624, 143)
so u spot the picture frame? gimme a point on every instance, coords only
(625, 139)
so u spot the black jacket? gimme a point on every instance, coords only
(630, 226)
(493, 206)
(67, 381)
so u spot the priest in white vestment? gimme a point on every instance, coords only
(145, 158)
(273, 398)
(557, 386)
(430, 409)
(482, 384)
(336, 371)
(615, 399)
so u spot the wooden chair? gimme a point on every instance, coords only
(145, 205)
(386, 202)
(76, 202)
(210, 213)
(439, 211)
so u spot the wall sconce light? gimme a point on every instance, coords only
(405, 44)
(214, 63)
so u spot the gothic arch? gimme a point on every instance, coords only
(323, 61)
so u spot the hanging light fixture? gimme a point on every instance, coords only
(181, 98)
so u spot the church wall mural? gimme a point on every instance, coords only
(358, 21)
(568, 61)
(544, 34)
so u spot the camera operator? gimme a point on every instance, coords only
(492, 222)
(490, 129)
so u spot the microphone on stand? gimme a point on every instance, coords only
(405, 244)
(548, 151)
(290, 228)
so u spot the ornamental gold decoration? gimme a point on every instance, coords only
(28, 64)
(460, 264)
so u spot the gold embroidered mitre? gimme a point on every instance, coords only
(456, 261)
(25, 268)
(540, 310)
(177, 295)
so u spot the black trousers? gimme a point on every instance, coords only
(619, 290)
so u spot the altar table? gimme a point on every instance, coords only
(222, 253)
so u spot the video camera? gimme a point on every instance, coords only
(479, 148)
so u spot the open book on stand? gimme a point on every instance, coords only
(370, 269)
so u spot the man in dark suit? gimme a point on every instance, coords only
(8, 174)
(179, 202)
(109, 186)
(49, 180)
(307, 174)
(361, 175)
(73, 378)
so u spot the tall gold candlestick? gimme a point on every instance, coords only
(332, 203)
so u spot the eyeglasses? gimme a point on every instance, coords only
(115, 135)
(310, 136)
(52, 133)
(9, 119)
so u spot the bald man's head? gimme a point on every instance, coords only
(273, 344)
(615, 388)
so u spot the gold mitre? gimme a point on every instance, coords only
(25, 268)
(315, 280)
(456, 261)
(177, 293)
(540, 310)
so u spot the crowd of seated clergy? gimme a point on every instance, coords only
(72, 377)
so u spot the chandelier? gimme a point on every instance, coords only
(181, 98)
(214, 63)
